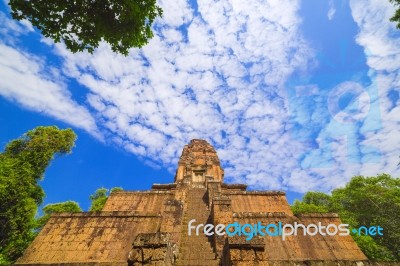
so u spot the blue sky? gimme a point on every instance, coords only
(294, 95)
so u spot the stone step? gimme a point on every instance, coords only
(196, 250)
(204, 208)
(197, 263)
(196, 212)
(200, 253)
(195, 244)
(197, 255)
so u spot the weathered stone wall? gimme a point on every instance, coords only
(259, 201)
(88, 237)
(150, 227)
(138, 201)
(293, 248)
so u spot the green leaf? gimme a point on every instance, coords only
(82, 25)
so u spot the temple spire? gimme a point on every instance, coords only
(199, 161)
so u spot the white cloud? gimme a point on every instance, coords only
(12, 28)
(25, 81)
(224, 76)
(218, 73)
(371, 146)
(332, 10)
(377, 36)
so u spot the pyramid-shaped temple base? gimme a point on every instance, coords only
(152, 227)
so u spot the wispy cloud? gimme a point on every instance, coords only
(27, 80)
(219, 71)
(332, 10)
(381, 42)
(215, 71)
(357, 138)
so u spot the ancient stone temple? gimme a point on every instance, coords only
(152, 227)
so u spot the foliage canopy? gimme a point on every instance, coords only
(49, 209)
(396, 16)
(99, 198)
(22, 165)
(82, 25)
(364, 201)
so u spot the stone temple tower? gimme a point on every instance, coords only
(152, 227)
(199, 161)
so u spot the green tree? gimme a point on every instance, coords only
(49, 209)
(100, 197)
(312, 202)
(22, 165)
(302, 207)
(396, 16)
(364, 201)
(372, 249)
(82, 25)
(371, 201)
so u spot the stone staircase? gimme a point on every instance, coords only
(196, 250)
